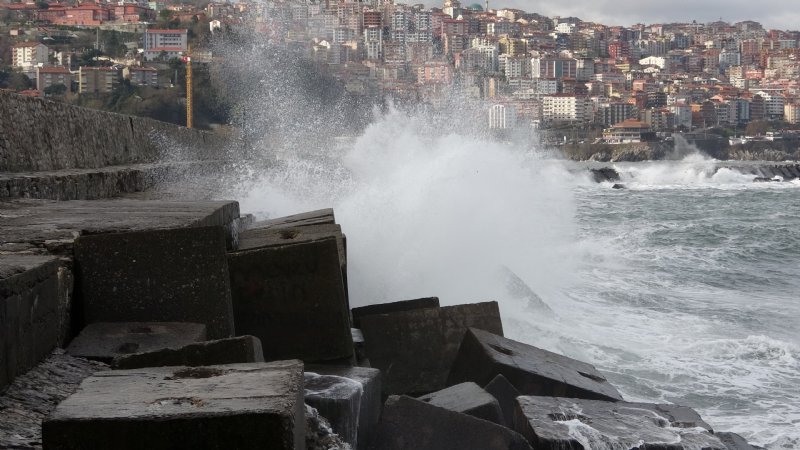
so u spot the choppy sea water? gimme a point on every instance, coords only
(682, 288)
(686, 291)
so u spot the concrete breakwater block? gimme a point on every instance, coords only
(105, 341)
(410, 423)
(506, 395)
(317, 217)
(48, 226)
(414, 349)
(332, 403)
(175, 275)
(241, 349)
(558, 423)
(254, 238)
(531, 370)
(392, 307)
(338, 399)
(292, 298)
(242, 406)
(33, 304)
(467, 398)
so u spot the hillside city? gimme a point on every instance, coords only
(612, 84)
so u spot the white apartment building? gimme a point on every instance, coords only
(773, 104)
(566, 108)
(502, 117)
(27, 55)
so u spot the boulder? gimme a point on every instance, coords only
(174, 275)
(240, 349)
(105, 341)
(415, 349)
(531, 370)
(552, 423)
(467, 398)
(242, 406)
(392, 307)
(292, 298)
(409, 423)
(369, 410)
(506, 395)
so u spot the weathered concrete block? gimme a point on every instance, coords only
(292, 298)
(467, 398)
(317, 217)
(176, 275)
(338, 399)
(735, 442)
(369, 410)
(241, 349)
(416, 348)
(559, 423)
(38, 225)
(506, 395)
(531, 370)
(279, 235)
(409, 423)
(387, 308)
(33, 301)
(104, 341)
(243, 406)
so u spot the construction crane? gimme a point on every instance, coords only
(189, 112)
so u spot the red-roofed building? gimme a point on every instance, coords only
(626, 131)
(51, 76)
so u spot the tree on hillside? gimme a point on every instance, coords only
(15, 80)
(56, 89)
(756, 128)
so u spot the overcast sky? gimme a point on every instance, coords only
(777, 14)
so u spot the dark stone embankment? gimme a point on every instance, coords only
(714, 146)
(146, 283)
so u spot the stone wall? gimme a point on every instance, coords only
(42, 135)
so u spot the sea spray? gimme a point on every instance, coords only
(429, 214)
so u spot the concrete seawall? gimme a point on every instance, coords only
(42, 135)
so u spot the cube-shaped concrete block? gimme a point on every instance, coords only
(409, 423)
(337, 399)
(317, 217)
(174, 275)
(32, 304)
(104, 341)
(467, 398)
(415, 349)
(393, 307)
(506, 395)
(371, 402)
(240, 349)
(243, 406)
(552, 423)
(531, 370)
(292, 298)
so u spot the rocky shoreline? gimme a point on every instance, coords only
(720, 149)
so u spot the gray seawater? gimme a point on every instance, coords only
(682, 288)
(694, 293)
